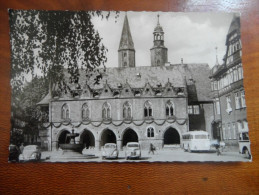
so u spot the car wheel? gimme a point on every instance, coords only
(247, 154)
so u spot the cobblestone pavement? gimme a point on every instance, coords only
(165, 155)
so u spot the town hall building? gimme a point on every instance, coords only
(155, 103)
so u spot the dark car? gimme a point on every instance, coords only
(14, 153)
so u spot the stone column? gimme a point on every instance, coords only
(119, 144)
(54, 145)
(97, 145)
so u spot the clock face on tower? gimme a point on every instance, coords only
(158, 52)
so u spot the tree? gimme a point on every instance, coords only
(46, 43)
(49, 41)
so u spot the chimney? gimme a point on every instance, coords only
(181, 60)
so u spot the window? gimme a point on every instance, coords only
(229, 132)
(106, 112)
(150, 132)
(224, 132)
(245, 124)
(217, 106)
(127, 110)
(237, 101)
(190, 111)
(125, 64)
(65, 112)
(235, 75)
(85, 111)
(125, 54)
(229, 108)
(243, 101)
(215, 85)
(234, 131)
(148, 109)
(196, 109)
(239, 126)
(169, 108)
(240, 72)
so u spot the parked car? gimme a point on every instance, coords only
(133, 150)
(244, 144)
(14, 153)
(110, 151)
(30, 152)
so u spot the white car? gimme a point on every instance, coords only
(133, 150)
(30, 152)
(110, 151)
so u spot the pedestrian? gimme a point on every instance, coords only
(217, 146)
(21, 148)
(151, 148)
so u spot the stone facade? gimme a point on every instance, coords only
(228, 90)
(148, 104)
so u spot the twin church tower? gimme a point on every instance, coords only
(127, 51)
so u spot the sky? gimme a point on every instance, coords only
(191, 36)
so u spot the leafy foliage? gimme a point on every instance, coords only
(49, 41)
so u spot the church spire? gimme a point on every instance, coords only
(126, 41)
(126, 48)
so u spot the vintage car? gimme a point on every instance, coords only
(14, 153)
(244, 144)
(133, 150)
(110, 151)
(30, 152)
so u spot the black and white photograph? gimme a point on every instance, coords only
(98, 86)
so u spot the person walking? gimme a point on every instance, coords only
(151, 149)
(21, 148)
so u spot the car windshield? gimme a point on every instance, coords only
(133, 145)
(110, 146)
(201, 136)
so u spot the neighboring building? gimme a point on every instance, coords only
(148, 104)
(228, 90)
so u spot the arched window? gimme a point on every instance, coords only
(169, 109)
(127, 110)
(85, 111)
(148, 109)
(65, 112)
(150, 132)
(125, 64)
(106, 111)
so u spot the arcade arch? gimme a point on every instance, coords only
(107, 137)
(171, 136)
(87, 138)
(129, 135)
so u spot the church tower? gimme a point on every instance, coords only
(158, 51)
(126, 48)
